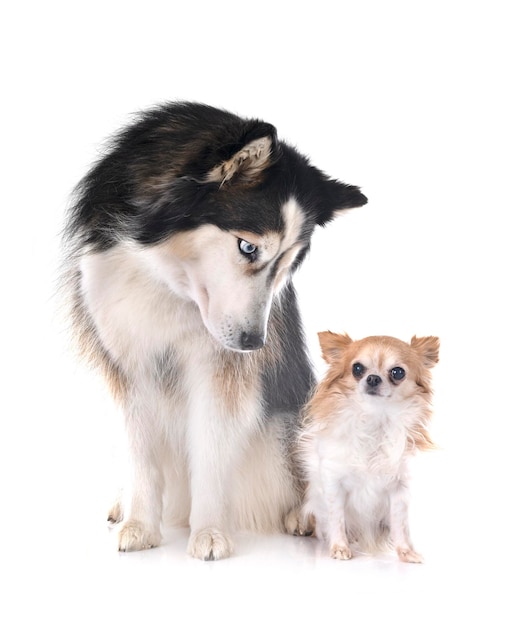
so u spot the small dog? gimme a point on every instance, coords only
(368, 416)
(180, 248)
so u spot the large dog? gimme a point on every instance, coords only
(181, 243)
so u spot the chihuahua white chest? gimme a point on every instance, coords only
(364, 440)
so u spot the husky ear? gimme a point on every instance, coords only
(246, 164)
(334, 197)
(332, 345)
(427, 348)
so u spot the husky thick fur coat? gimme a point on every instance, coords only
(180, 246)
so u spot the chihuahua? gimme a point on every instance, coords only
(367, 417)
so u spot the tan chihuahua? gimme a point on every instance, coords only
(368, 416)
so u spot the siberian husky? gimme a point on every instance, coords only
(180, 246)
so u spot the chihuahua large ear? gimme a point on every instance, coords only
(334, 197)
(332, 345)
(248, 162)
(428, 348)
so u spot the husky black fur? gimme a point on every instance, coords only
(181, 242)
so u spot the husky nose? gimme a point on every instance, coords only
(373, 380)
(251, 341)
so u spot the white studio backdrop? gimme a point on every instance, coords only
(408, 100)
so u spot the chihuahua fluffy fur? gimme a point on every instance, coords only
(368, 416)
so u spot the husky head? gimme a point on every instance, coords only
(254, 213)
(233, 275)
(227, 209)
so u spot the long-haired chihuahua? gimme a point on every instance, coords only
(368, 416)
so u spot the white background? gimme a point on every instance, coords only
(407, 99)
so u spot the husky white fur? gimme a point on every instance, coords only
(180, 248)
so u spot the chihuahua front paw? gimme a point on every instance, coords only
(340, 551)
(210, 544)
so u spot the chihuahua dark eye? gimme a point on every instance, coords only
(398, 373)
(358, 370)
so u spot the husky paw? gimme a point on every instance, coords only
(115, 514)
(210, 544)
(340, 551)
(134, 536)
(296, 524)
(409, 556)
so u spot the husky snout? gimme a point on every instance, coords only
(252, 341)
(242, 336)
(233, 319)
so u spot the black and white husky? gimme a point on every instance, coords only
(180, 245)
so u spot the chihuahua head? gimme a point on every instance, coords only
(380, 366)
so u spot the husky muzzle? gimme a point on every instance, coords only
(251, 341)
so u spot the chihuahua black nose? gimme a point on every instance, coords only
(251, 341)
(373, 380)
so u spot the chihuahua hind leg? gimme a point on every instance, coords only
(407, 555)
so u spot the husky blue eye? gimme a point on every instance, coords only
(358, 370)
(247, 248)
(398, 373)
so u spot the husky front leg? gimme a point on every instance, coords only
(213, 448)
(219, 434)
(143, 498)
